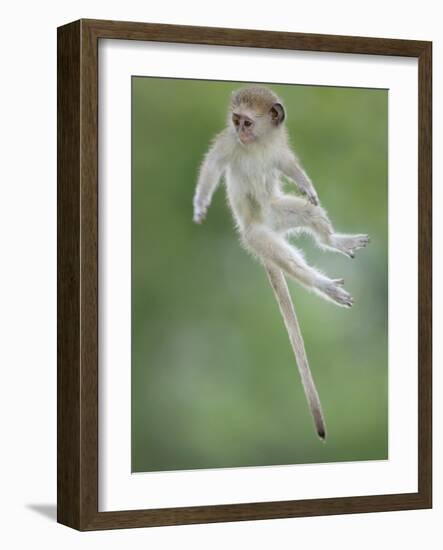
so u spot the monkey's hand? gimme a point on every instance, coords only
(199, 213)
(312, 196)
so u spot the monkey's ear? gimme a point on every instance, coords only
(277, 113)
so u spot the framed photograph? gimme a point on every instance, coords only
(244, 275)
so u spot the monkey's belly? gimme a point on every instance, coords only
(249, 193)
(248, 209)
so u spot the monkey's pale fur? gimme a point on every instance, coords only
(252, 155)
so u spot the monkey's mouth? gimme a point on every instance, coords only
(246, 138)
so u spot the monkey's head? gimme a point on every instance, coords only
(255, 113)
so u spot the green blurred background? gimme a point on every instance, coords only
(214, 381)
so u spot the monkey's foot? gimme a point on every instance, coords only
(348, 244)
(334, 290)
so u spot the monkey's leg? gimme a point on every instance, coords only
(272, 248)
(281, 291)
(289, 213)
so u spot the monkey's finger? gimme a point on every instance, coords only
(313, 199)
(199, 216)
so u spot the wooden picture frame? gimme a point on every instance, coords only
(77, 457)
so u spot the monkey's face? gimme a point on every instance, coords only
(245, 126)
(253, 125)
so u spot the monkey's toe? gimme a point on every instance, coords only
(362, 241)
(335, 291)
(351, 244)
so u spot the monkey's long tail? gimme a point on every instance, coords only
(281, 291)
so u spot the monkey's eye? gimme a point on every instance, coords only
(248, 123)
(235, 121)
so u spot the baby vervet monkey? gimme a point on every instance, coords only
(252, 154)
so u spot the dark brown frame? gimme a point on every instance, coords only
(77, 429)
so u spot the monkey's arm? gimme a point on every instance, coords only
(291, 167)
(209, 177)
